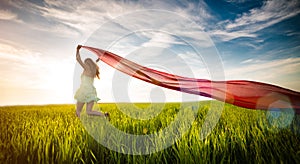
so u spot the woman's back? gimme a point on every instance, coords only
(87, 80)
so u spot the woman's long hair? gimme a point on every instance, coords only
(93, 66)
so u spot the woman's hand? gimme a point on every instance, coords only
(77, 53)
(79, 46)
(78, 58)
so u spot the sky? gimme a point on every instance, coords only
(217, 40)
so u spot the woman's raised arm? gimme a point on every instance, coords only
(78, 58)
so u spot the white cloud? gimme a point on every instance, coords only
(160, 40)
(205, 15)
(167, 24)
(256, 19)
(87, 16)
(29, 77)
(7, 15)
(84, 16)
(30, 69)
(274, 71)
(226, 36)
(270, 13)
(14, 53)
(19, 70)
(289, 65)
(75, 17)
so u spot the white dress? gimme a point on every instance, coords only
(86, 92)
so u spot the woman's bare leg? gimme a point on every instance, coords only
(79, 107)
(89, 111)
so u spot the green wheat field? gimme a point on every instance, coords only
(53, 134)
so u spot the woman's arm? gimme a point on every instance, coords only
(78, 58)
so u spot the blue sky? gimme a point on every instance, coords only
(229, 39)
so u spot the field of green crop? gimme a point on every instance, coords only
(52, 134)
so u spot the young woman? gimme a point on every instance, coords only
(86, 94)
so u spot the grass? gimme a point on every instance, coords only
(52, 134)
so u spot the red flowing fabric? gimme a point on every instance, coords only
(243, 93)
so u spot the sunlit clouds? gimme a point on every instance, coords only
(256, 40)
(7, 15)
